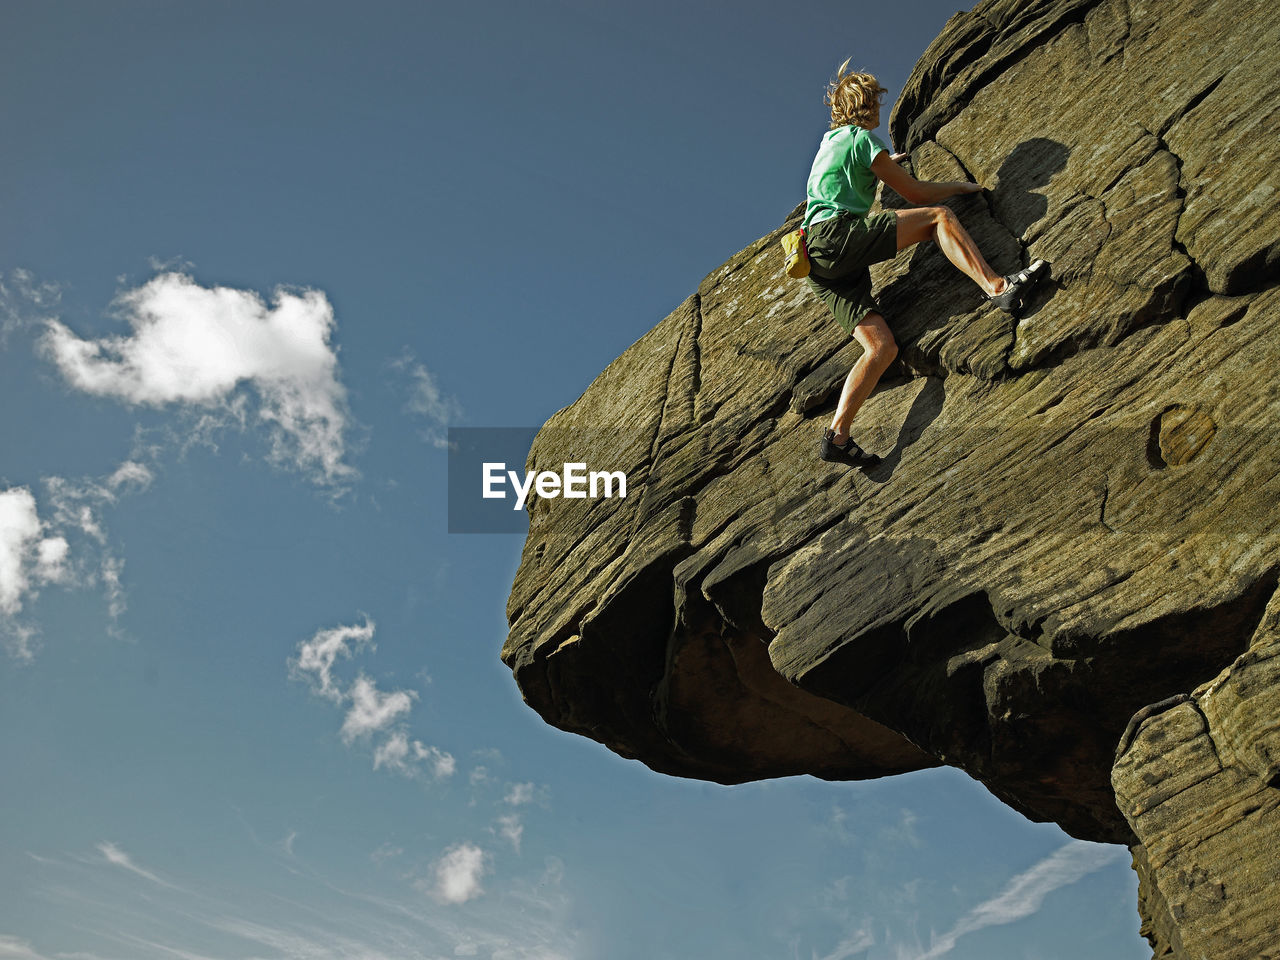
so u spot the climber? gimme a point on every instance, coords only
(843, 241)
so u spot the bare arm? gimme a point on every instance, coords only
(886, 168)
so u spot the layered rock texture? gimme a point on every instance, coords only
(1062, 579)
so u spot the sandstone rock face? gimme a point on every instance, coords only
(1075, 520)
(1197, 778)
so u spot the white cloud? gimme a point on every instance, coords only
(196, 347)
(511, 829)
(51, 559)
(119, 858)
(36, 550)
(29, 558)
(315, 659)
(110, 576)
(458, 874)
(130, 474)
(1026, 892)
(20, 639)
(370, 711)
(406, 756)
(425, 400)
(519, 794)
(394, 753)
(442, 764)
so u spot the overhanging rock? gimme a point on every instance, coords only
(1076, 516)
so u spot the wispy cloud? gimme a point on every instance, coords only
(1026, 892)
(298, 945)
(201, 348)
(855, 943)
(895, 829)
(371, 714)
(510, 829)
(426, 401)
(114, 855)
(77, 505)
(161, 948)
(458, 872)
(12, 948)
(388, 851)
(519, 794)
(25, 302)
(531, 919)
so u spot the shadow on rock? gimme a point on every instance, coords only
(925, 409)
(1032, 164)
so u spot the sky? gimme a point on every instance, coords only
(256, 259)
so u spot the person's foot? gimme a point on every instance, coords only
(848, 453)
(1016, 286)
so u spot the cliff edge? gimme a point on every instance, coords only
(1063, 577)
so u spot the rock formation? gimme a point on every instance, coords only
(1062, 579)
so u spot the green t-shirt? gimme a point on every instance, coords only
(841, 178)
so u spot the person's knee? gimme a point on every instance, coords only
(877, 341)
(884, 352)
(936, 217)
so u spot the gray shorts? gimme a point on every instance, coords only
(840, 251)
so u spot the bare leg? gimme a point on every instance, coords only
(942, 226)
(878, 351)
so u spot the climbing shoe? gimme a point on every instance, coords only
(848, 453)
(1013, 298)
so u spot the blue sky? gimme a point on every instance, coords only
(256, 258)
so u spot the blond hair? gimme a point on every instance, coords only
(853, 98)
